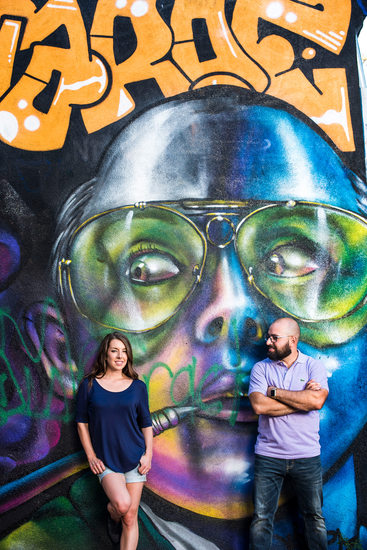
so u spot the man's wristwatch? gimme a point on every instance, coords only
(273, 393)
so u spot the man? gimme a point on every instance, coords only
(287, 390)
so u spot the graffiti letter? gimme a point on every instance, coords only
(320, 93)
(206, 50)
(35, 113)
(134, 40)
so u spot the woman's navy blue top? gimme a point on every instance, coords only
(115, 420)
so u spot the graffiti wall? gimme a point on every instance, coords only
(185, 171)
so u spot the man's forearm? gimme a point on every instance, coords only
(265, 405)
(282, 410)
(304, 400)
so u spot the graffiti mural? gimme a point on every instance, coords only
(187, 172)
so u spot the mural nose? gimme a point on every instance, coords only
(251, 330)
(230, 315)
(215, 327)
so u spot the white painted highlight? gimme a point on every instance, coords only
(291, 17)
(331, 365)
(120, 4)
(320, 40)
(61, 7)
(15, 33)
(332, 33)
(81, 84)
(362, 42)
(8, 126)
(32, 123)
(301, 172)
(331, 116)
(139, 8)
(275, 10)
(125, 104)
(221, 21)
(235, 466)
(22, 104)
(327, 37)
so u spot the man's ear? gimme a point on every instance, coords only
(44, 326)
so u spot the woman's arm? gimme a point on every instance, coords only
(95, 464)
(146, 459)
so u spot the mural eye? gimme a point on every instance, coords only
(291, 261)
(152, 268)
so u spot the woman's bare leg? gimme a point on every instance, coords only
(130, 530)
(119, 497)
(124, 499)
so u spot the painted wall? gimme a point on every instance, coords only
(186, 171)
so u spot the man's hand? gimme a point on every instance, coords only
(313, 385)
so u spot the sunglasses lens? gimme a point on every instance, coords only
(131, 269)
(311, 261)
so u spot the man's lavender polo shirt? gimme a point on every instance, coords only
(293, 435)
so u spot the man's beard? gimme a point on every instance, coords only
(278, 354)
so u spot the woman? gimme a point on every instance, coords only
(115, 430)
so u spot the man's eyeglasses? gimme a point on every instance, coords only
(132, 268)
(274, 338)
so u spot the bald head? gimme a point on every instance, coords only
(285, 327)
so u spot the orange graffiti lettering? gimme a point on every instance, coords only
(206, 49)
(9, 37)
(324, 97)
(326, 103)
(278, 47)
(35, 113)
(152, 40)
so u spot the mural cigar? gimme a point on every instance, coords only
(169, 417)
(17, 492)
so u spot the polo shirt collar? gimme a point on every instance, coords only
(300, 359)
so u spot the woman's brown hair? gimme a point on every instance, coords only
(100, 365)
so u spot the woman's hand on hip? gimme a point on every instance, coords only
(145, 464)
(96, 465)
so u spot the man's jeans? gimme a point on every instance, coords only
(305, 474)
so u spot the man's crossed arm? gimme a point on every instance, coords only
(311, 398)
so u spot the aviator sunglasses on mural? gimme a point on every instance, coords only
(132, 268)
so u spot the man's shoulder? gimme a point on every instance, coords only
(263, 364)
(308, 360)
(265, 361)
(315, 366)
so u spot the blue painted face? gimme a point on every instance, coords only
(253, 217)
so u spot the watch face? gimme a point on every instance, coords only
(273, 393)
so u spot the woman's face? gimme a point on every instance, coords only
(116, 358)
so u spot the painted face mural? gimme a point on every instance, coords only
(209, 218)
(165, 172)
